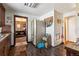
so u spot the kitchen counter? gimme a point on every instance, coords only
(3, 36)
(5, 44)
(72, 49)
(72, 46)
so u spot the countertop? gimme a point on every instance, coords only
(4, 36)
(73, 46)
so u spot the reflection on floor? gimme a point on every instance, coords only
(30, 50)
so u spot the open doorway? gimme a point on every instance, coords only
(20, 30)
(69, 29)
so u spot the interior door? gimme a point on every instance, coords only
(71, 35)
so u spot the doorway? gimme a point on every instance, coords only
(20, 30)
(69, 29)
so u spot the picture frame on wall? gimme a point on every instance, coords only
(48, 21)
(58, 21)
(9, 21)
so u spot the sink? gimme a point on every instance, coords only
(1, 36)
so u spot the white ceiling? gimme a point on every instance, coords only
(42, 8)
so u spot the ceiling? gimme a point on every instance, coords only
(42, 8)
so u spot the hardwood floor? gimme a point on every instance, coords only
(53, 51)
(20, 47)
(30, 50)
(21, 41)
(18, 51)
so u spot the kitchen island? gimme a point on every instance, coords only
(72, 49)
(4, 44)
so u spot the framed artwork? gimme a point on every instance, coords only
(9, 21)
(58, 21)
(48, 21)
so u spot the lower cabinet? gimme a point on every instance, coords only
(5, 46)
(71, 52)
(2, 50)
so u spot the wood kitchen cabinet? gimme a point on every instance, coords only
(5, 46)
(2, 15)
(1, 49)
(71, 52)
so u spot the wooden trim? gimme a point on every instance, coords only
(20, 16)
(65, 20)
(14, 27)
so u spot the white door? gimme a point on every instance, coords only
(71, 34)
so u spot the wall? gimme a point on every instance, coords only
(57, 28)
(52, 29)
(40, 32)
(9, 13)
(49, 30)
(77, 25)
(68, 14)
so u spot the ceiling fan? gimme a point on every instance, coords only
(32, 5)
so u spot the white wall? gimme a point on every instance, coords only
(10, 14)
(52, 29)
(77, 25)
(51, 13)
(49, 30)
(71, 13)
(57, 28)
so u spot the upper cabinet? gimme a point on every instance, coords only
(2, 15)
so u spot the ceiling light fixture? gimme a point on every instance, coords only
(32, 5)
